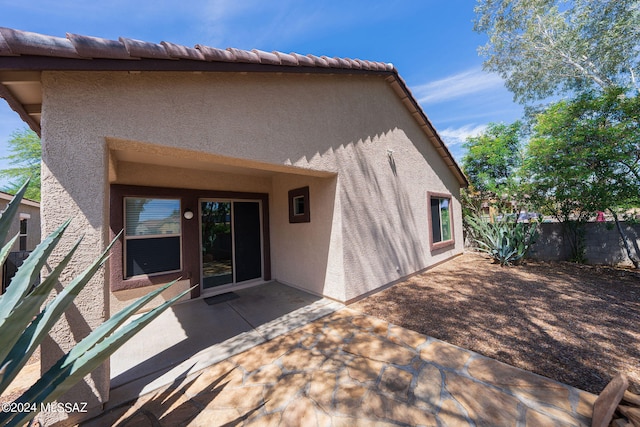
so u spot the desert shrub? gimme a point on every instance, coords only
(23, 323)
(506, 240)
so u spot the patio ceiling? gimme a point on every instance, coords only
(23, 92)
(139, 153)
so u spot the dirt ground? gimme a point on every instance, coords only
(577, 324)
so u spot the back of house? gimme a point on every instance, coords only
(229, 169)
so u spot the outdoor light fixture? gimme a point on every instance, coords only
(188, 214)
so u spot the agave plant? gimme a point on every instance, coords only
(507, 241)
(23, 324)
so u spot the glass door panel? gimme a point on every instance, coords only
(217, 244)
(247, 240)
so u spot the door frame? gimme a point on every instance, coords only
(190, 238)
(234, 284)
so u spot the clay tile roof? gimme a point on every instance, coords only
(177, 51)
(4, 47)
(75, 46)
(331, 62)
(215, 54)
(286, 59)
(142, 49)
(26, 43)
(320, 62)
(240, 55)
(22, 50)
(95, 47)
(355, 64)
(266, 57)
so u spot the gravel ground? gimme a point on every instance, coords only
(577, 324)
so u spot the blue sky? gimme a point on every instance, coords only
(431, 43)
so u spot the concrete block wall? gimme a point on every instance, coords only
(603, 243)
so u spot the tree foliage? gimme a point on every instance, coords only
(591, 143)
(584, 157)
(492, 163)
(493, 158)
(547, 47)
(25, 157)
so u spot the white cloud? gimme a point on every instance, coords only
(226, 22)
(457, 136)
(456, 86)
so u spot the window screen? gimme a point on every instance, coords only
(440, 219)
(152, 236)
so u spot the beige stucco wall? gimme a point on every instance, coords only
(308, 255)
(33, 224)
(384, 184)
(368, 219)
(74, 185)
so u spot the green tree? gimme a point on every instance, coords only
(492, 163)
(584, 156)
(492, 158)
(25, 157)
(547, 47)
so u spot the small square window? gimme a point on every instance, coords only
(299, 205)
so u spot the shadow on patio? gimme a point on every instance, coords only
(349, 369)
(193, 335)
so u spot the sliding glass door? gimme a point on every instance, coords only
(231, 242)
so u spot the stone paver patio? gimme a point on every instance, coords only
(348, 369)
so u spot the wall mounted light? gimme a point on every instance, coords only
(188, 214)
(392, 161)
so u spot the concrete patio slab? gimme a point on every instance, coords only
(349, 369)
(193, 335)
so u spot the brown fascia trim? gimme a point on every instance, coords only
(19, 108)
(190, 234)
(44, 63)
(449, 243)
(398, 84)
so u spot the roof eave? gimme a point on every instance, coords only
(401, 89)
(41, 63)
(17, 106)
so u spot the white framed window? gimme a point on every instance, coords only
(152, 236)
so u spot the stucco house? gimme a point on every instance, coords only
(229, 168)
(27, 225)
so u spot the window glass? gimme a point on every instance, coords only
(145, 217)
(440, 219)
(152, 236)
(298, 205)
(299, 210)
(149, 256)
(445, 219)
(435, 220)
(23, 235)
